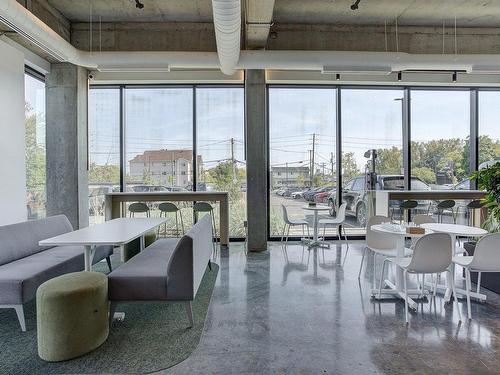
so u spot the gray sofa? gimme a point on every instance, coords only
(24, 265)
(168, 270)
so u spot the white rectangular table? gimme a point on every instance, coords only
(116, 232)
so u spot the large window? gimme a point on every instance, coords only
(159, 139)
(104, 149)
(489, 126)
(440, 127)
(302, 152)
(220, 149)
(371, 120)
(35, 146)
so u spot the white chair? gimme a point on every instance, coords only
(292, 223)
(337, 221)
(431, 255)
(486, 259)
(379, 243)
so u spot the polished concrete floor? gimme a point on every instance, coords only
(291, 311)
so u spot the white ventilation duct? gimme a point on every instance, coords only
(227, 24)
(25, 23)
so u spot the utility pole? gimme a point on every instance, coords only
(286, 174)
(331, 162)
(310, 168)
(312, 157)
(323, 168)
(233, 162)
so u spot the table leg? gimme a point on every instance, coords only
(449, 279)
(142, 243)
(224, 222)
(88, 257)
(315, 235)
(395, 289)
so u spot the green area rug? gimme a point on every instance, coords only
(153, 336)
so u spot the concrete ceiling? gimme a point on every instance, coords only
(469, 13)
(126, 11)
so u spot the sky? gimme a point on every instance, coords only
(162, 118)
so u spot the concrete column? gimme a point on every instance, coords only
(256, 158)
(66, 140)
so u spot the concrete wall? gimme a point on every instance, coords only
(12, 133)
(66, 124)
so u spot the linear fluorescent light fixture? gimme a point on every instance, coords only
(485, 69)
(382, 70)
(128, 69)
(55, 54)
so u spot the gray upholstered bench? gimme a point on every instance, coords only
(169, 270)
(24, 265)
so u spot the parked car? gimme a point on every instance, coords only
(322, 197)
(310, 196)
(299, 194)
(354, 194)
(280, 191)
(288, 191)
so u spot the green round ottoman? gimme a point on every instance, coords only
(72, 315)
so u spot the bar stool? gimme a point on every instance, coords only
(442, 206)
(471, 207)
(407, 205)
(138, 208)
(166, 208)
(206, 207)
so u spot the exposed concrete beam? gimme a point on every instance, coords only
(142, 36)
(412, 39)
(49, 15)
(259, 15)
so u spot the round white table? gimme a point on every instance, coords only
(395, 288)
(455, 230)
(316, 241)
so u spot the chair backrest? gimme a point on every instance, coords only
(431, 254)
(285, 214)
(202, 207)
(409, 204)
(487, 254)
(475, 204)
(168, 207)
(341, 212)
(376, 240)
(138, 207)
(423, 219)
(448, 203)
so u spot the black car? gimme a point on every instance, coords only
(354, 193)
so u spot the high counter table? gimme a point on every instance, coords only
(114, 202)
(382, 198)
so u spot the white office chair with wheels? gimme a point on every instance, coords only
(338, 221)
(379, 243)
(292, 223)
(431, 255)
(486, 259)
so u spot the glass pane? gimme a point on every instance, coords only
(35, 146)
(159, 139)
(489, 126)
(220, 121)
(440, 126)
(302, 153)
(104, 149)
(371, 120)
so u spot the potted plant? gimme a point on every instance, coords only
(488, 179)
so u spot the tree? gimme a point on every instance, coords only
(99, 174)
(389, 161)
(35, 153)
(425, 174)
(349, 166)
